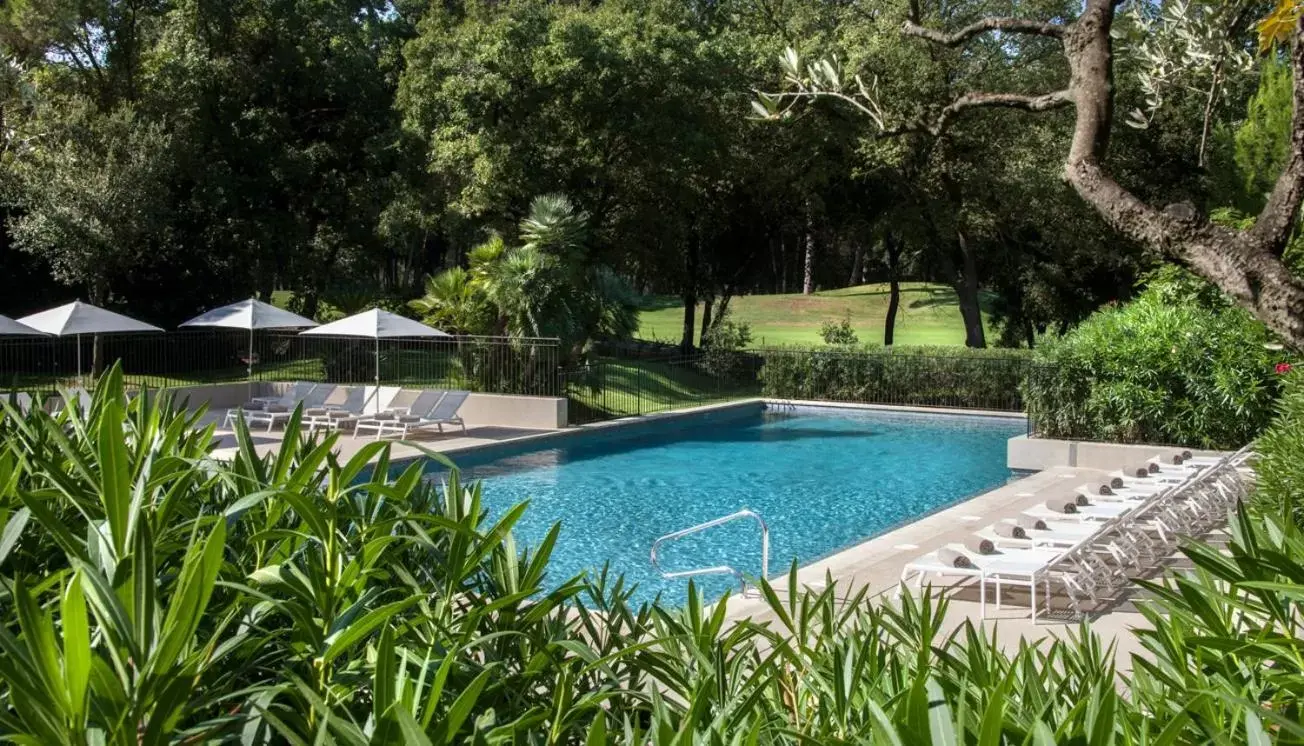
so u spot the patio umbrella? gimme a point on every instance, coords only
(250, 314)
(11, 328)
(77, 318)
(376, 324)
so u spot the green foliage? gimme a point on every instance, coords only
(723, 347)
(1280, 466)
(1262, 141)
(154, 595)
(1178, 365)
(546, 287)
(839, 333)
(926, 376)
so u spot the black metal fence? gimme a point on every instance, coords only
(185, 358)
(986, 381)
(623, 388)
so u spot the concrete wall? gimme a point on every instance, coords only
(503, 410)
(480, 410)
(1035, 454)
(217, 395)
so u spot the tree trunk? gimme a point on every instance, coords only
(1245, 264)
(857, 262)
(690, 298)
(707, 303)
(966, 289)
(783, 262)
(808, 272)
(894, 287)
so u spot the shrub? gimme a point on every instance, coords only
(153, 595)
(722, 350)
(1280, 465)
(1172, 366)
(924, 376)
(839, 333)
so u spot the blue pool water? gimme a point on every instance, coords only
(823, 478)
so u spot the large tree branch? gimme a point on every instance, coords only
(948, 114)
(1277, 220)
(1007, 25)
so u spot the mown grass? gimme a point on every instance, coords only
(929, 315)
(621, 389)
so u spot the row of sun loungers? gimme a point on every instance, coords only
(1089, 542)
(357, 408)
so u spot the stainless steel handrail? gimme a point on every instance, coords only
(718, 569)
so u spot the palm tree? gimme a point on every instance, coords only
(453, 302)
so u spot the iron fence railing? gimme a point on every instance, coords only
(192, 357)
(618, 388)
(607, 390)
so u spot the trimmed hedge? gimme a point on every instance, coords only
(1169, 367)
(921, 376)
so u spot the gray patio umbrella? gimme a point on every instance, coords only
(11, 328)
(376, 324)
(77, 318)
(250, 314)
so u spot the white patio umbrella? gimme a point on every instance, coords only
(77, 318)
(11, 328)
(250, 314)
(376, 324)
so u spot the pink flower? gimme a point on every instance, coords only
(1283, 368)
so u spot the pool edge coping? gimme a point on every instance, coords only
(672, 414)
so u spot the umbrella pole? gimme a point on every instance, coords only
(249, 365)
(378, 374)
(79, 381)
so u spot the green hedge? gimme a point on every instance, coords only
(1280, 466)
(1169, 367)
(923, 376)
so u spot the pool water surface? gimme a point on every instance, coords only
(823, 478)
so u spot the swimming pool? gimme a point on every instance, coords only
(823, 478)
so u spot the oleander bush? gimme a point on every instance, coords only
(1176, 365)
(925, 376)
(150, 594)
(1280, 463)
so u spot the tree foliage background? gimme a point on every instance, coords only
(168, 155)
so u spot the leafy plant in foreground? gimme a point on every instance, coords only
(153, 594)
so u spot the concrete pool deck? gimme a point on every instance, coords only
(877, 564)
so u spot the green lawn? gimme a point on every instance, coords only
(619, 389)
(929, 315)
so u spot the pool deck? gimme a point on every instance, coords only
(876, 563)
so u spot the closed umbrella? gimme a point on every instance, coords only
(77, 318)
(376, 324)
(250, 315)
(11, 328)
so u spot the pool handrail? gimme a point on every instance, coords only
(718, 569)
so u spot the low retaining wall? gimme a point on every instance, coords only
(479, 410)
(1036, 454)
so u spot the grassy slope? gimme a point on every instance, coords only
(929, 315)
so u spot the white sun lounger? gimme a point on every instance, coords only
(443, 413)
(335, 416)
(1020, 567)
(272, 414)
(400, 421)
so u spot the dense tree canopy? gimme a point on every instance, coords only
(340, 149)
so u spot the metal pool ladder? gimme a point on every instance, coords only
(718, 569)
